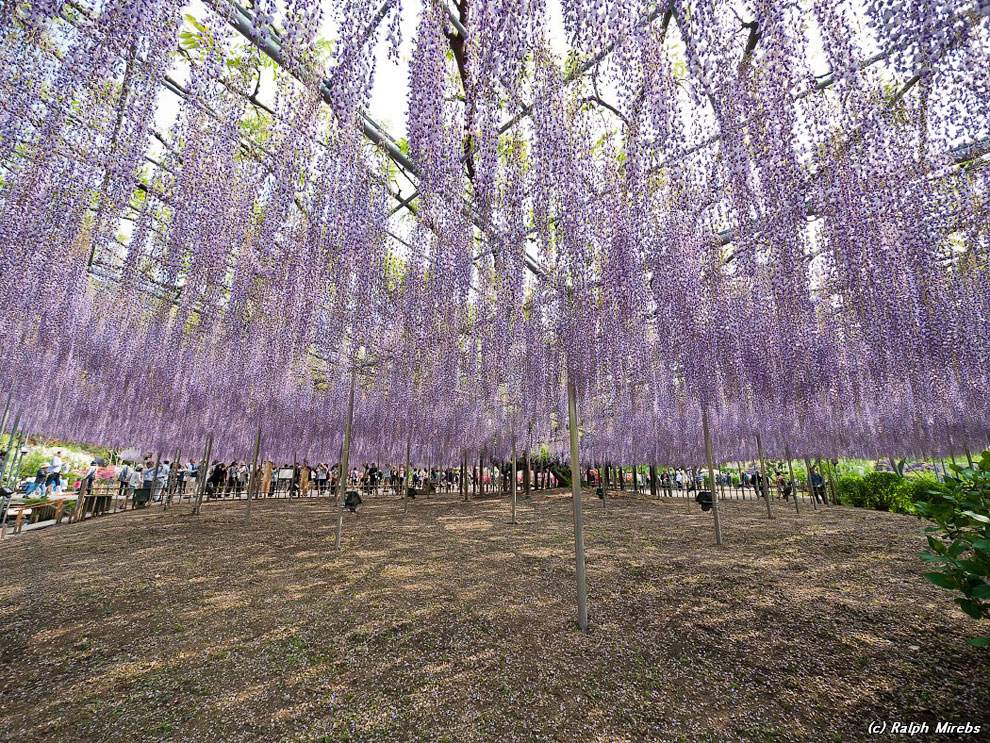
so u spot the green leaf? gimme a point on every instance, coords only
(941, 580)
(936, 544)
(957, 547)
(982, 592)
(980, 642)
(978, 517)
(970, 607)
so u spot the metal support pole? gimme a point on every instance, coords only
(343, 459)
(8, 457)
(253, 478)
(582, 592)
(204, 472)
(711, 475)
(811, 488)
(790, 474)
(764, 483)
(167, 501)
(604, 479)
(15, 465)
(514, 480)
(6, 413)
(833, 481)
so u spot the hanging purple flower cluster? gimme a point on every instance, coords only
(678, 215)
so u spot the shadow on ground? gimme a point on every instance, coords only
(447, 623)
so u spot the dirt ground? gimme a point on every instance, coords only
(447, 623)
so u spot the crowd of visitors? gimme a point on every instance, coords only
(157, 477)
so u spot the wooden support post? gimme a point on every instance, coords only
(204, 472)
(764, 483)
(582, 593)
(711, 475)
(654, 488)
(343, 460)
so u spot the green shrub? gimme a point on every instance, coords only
(959, 542)
(926, 489)
(887, 491)
(851, 491)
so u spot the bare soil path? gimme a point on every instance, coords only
(447, 623)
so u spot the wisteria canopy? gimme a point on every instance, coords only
(665, 202)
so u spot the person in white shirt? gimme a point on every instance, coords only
(54, 474)
(163, 469)
(135, 479)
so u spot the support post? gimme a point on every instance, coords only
(15, 465)
(341, 496)
(790, 474)
(832, 482)
(11, 442)
(174, 472)
(6, 412)
(764, 483)
(514, 480)
(407, 478)
(527, 486)
(582, 594)
(604, 481)
(253, 477)
(204, 472)
(711, 475)
(811, 488)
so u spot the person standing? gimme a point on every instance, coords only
(88, 478)
(54, 478)
(123, 478)
(135, 481)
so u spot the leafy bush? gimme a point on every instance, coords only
(886, 491)
(925, 489)
(959, 542)
(851, 491)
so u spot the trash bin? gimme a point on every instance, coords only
(140, 497)
(704, 499)
(352, 501)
